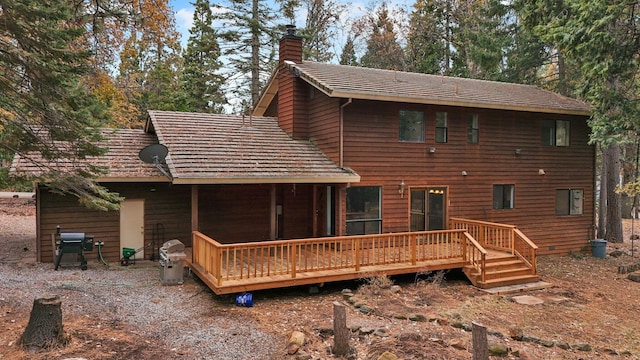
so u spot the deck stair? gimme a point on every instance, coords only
(501, 270)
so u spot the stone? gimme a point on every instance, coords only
(498, 350)
(516, 333)
(527, 300)
(387, 356)
(381, 332)
(366, 331)
(546, 343)
(562, 345)
(364, 309)
(417, 317)
(301, 355)
(495, 333)
(582, 347)
(396, 289)
(531, 339)
(457, 344)
(635, 277)
(325, 331)
(296, 340)
(457, 325)
(616, 253)
(400, 316)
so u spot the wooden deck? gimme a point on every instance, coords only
(233, 268)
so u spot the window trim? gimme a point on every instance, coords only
(378, 220)
(551, 136)
(512, 197)
(402, 135)
(571, 209)
(473, 129)
(442, 130)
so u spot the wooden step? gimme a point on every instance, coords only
(505, 281)
(491, 274)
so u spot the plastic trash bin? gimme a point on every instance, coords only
(599, 248)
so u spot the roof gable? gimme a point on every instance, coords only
(343, 81)
(216, 148)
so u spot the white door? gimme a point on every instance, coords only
(132, 225)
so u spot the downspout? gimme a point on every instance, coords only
(341, 145)
(340, 230)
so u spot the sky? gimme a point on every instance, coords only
(355, 9)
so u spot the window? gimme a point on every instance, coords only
(411, 126)
(441, 127)
(555, 133)
(569, 202)
(363, 210)
(503, 196)
(472, 129)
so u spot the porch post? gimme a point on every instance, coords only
(194, 208)
(272, 212)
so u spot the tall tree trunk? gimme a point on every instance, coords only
(613, 231)
(255, 53)
(602, 198)
(44, 330)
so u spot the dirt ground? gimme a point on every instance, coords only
(589, 312)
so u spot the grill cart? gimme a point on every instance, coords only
(72, 243)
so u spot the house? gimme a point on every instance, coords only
(343, 153)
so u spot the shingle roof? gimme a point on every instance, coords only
(121, 158)
(388, 85)
(213, 148)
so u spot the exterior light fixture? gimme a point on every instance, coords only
(464, 173)
(401, 189)
(518, 151)
(541, 172)
(432, 150)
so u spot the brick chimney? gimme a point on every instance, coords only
(292, 94)
(291, 46)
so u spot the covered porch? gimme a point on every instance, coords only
(490, 255)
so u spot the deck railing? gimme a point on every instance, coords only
(292, 258)
(500, 237)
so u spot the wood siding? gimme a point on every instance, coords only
(167, 216)
(373, 150)
(241, 213)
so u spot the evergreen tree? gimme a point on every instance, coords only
(427, 47)
(201, 80)
(44, 102)
(383, 50)
(320, 31)
(348, 56)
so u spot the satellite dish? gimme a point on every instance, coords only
(155, 154)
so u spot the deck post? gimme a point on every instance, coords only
(357, 254)
(293, 259)
(414, 246)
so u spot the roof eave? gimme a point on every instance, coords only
(345, 179)
(123, 179)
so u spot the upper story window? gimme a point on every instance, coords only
(364, 210)
(555, 133)
(441, 127)
(569, 202)
(472, 129)
(411, 126)
(503, 196)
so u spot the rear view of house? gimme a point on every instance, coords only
(341, 172)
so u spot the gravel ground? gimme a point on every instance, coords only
(184, 321)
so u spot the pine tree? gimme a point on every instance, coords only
(320, 31)
(44, 101)
(383, 50)
(348, 56)
(201, 80)
(426, 50)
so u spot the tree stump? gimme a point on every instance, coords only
(480, 345)
(44, 330)
(340, 330)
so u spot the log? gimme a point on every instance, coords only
(44, 329)
(340, 330)
(480, 344)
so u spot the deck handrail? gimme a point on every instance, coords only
(472, 252)
(525, 249)
(294, 258)
(500, 237)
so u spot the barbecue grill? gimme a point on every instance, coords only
(72, 243)
(172, 258)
